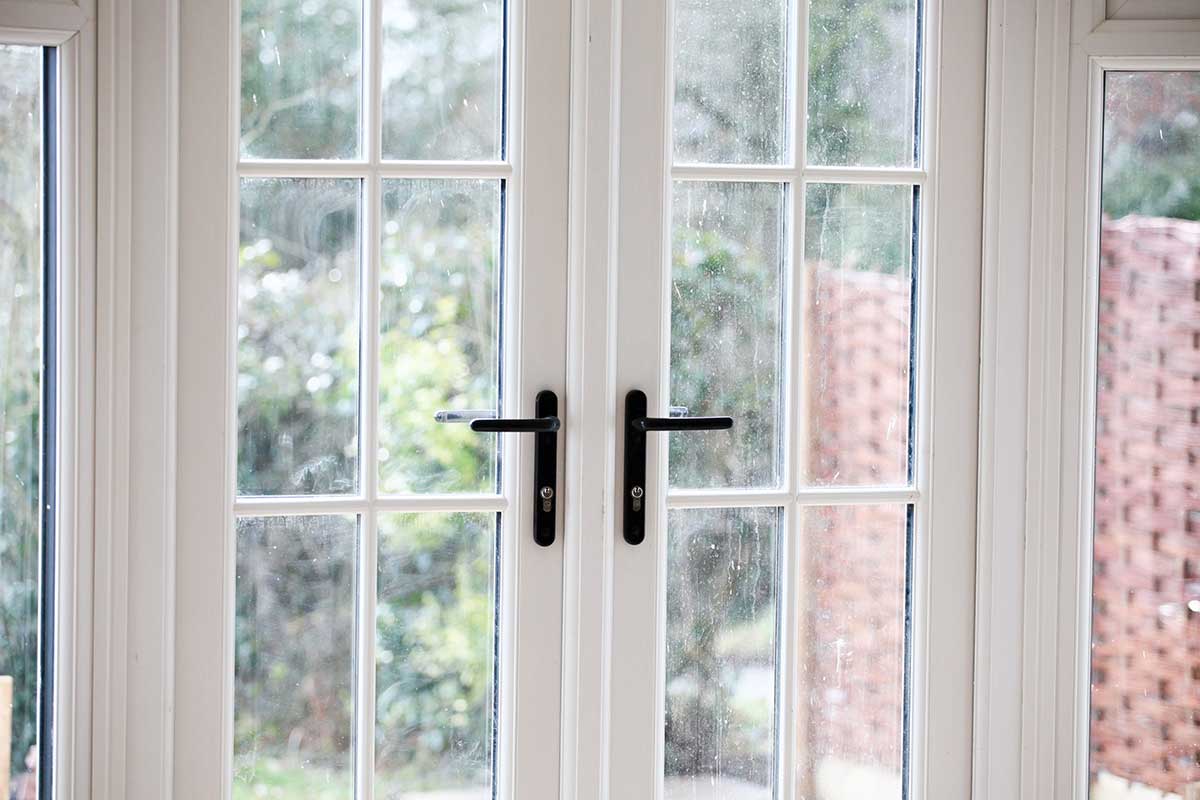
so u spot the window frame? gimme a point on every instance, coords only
(68, 605)
(1039, 375)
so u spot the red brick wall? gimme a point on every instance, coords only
(857, 386)
(1146, 656)
(1146, 640)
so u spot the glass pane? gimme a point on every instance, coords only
(21, 271)
(1145, 723)
(862, 82)
(301, 78)
(730, 81)
(435, 671)
(443, 79)
(722, 577)
(298, 270)
(726, 331)
(294, 658)
(858, 300)
(440, 329)
(852, 642)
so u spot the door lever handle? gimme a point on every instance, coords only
(683, 423)
(545, 453)
(548, 424)
(637, 424)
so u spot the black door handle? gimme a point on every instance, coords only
(683, 423)
(545, 453)
(548, 424)
(637, 424)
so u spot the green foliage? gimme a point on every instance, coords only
(298, 337)
(726, 331)
(301, 78)
(730, 80)
(440, 315)
(441, 79)
(861, 88)
(435, 635)
(294, 641)
(721, 592)
(1152, 145)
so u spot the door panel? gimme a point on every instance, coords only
(381, 611)
(773, 634)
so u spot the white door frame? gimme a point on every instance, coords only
(1045, 105)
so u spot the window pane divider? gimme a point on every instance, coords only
(871, 175)
(706, 498)
(304, 506)
(363, 746)
(301, 168)
(856, 495)
(733, 172)
(774, 173)
(778, 498)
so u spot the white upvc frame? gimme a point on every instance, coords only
(944, 487)
(530, 603)
(70, 28)
(1045, 103)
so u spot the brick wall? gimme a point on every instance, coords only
(1146, 657)
(857, 386)
(1146, 620)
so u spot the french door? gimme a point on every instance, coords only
(375, 350)
(373, 345)
(799, 216)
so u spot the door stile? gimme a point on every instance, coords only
(643, 219)
(539, 116)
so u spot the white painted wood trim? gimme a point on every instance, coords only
(50, 22)
(1152, 9)
(590, 440)
(76, 418)
(205, 544)
(1036, 431)
(71, 29)
(135, 343)
(1003, 378)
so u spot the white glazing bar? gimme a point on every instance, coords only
(364, 668)
(299, 168)
(770, 173)
(789, 716)
(706, 498)
(757, 498)
(372, 231)
(301, 506)
(870, 175)
(855, 495)
(733, 172)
